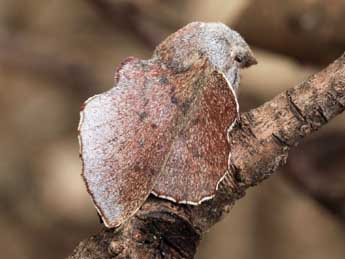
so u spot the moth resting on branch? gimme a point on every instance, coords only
(164, 126)
(260, 143)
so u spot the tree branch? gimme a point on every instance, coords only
(260, 144)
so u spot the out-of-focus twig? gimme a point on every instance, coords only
(310, 31)
(73, 76)
(126, 16)
(318, 169)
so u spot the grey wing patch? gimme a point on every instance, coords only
(121, 158)
(126, 134)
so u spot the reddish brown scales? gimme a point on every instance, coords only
(163, 127)
(127, 132)
(199, 156)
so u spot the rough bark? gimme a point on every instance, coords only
(310, 31)
(261, 141)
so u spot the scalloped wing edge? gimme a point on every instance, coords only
(98, 209)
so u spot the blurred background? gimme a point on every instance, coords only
(54, 54)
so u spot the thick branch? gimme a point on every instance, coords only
(260, 142)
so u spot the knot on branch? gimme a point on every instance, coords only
(155, 234)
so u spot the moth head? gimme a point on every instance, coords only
(226, 50)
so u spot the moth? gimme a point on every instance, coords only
(163, 128)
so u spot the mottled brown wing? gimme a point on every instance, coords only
(200, 153)
(126, 134)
